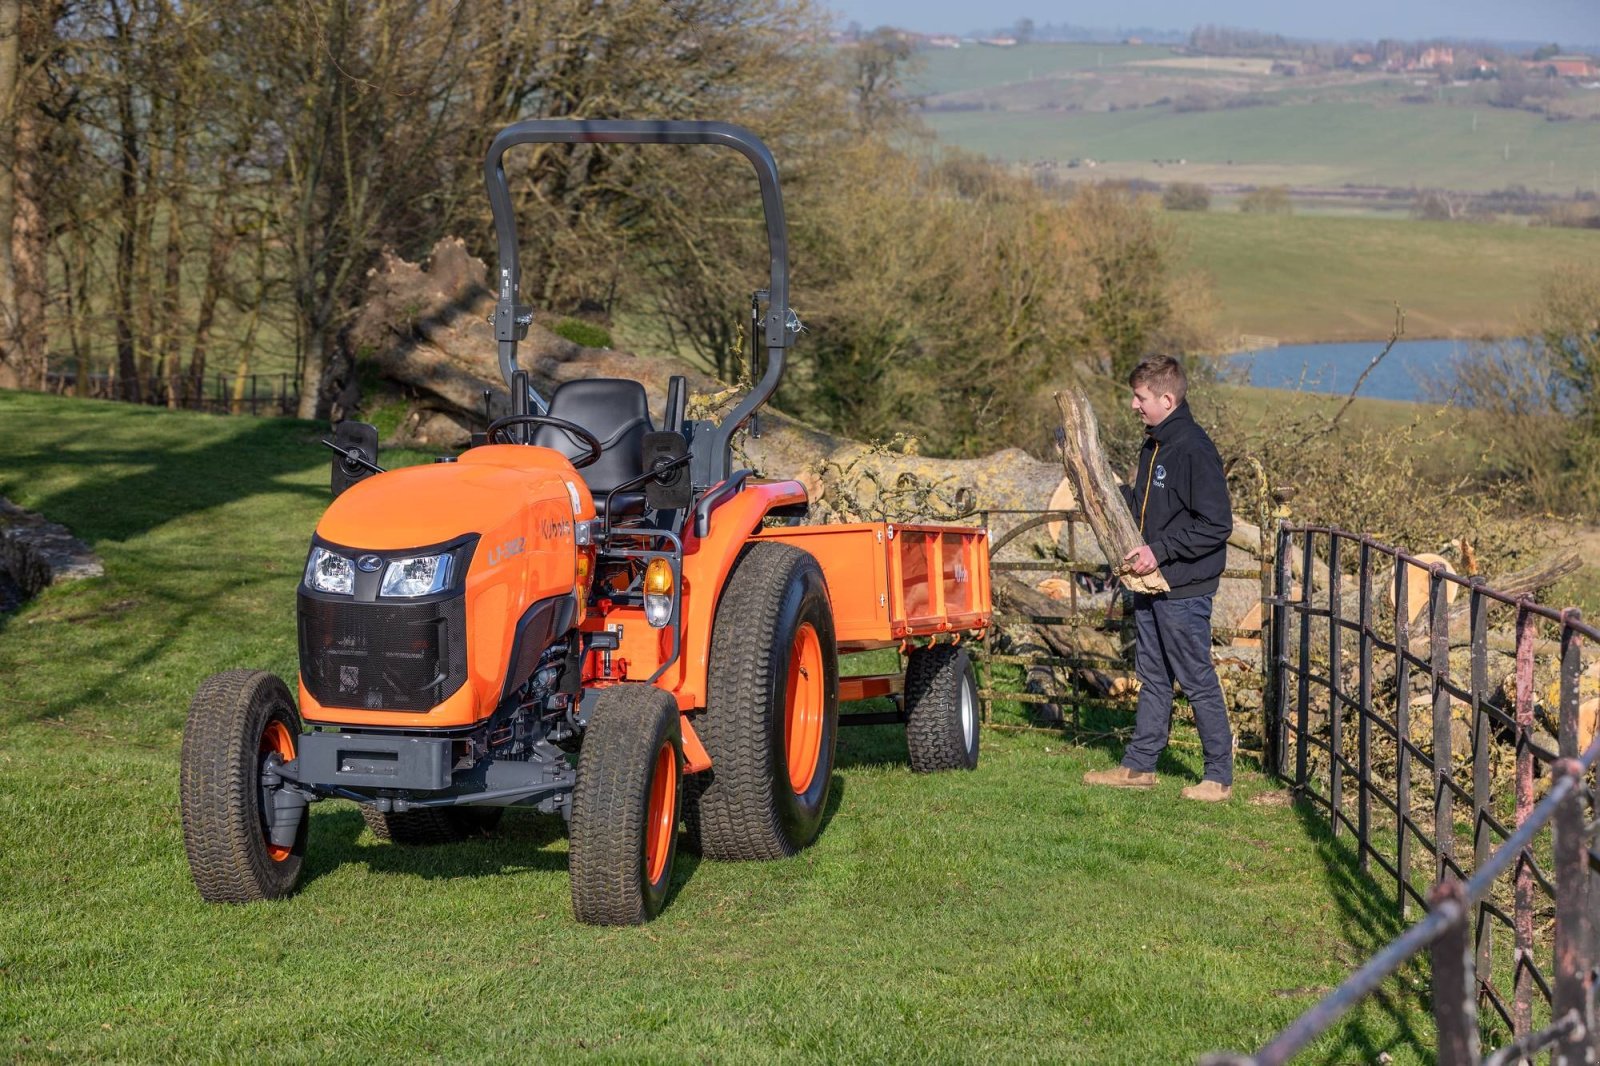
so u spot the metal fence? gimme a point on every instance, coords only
(273, 395)
(1511, 924)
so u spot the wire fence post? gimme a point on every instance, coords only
(1302, 718)
(1364, 711)
(1444, 826)
(1280, 654)
(1455, 992)
(1402, 725)
(1522, 899)
(1573, 922)
(1482, 797)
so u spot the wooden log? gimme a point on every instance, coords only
(1098, 494)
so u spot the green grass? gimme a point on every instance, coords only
(1328, 279)
(1324, 143)
(948, 70)
(1005, 914)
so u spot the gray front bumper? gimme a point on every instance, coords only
(369, 761)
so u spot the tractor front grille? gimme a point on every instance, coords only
(382, 656)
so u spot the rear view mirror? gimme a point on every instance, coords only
(666, 453)
(356, 445)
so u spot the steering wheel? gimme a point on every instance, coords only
(587, 439)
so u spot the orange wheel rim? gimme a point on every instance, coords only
(662, 819)
(276, 739)
(802, 722)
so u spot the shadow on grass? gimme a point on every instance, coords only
(1103, 729)
(112, 504)
(1368, 920)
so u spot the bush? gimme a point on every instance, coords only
(1186, 196)
(1271, 200)
(580, 332)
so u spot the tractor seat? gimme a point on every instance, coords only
(614, 410)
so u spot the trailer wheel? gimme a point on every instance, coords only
(941, 709)
(772, 710)
(237, 721)
(625, 807)
(431, 826)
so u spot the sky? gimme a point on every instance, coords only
(1574, 21)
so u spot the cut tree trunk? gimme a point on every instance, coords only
(1098, 494)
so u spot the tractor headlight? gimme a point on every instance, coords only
(421, 575)
(658, 593)
(328, 572)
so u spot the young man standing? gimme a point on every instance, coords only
(1180, 500)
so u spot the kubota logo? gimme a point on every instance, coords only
(551, 528)
(505, 551)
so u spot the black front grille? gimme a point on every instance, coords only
(383, 656)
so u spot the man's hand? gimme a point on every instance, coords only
(1141, 560)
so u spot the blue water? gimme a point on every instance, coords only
(1413, 370)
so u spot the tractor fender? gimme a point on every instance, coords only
(707, 561)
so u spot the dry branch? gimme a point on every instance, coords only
(1098, 494)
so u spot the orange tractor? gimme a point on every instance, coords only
(585, 615)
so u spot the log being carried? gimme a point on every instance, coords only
(1098, 494)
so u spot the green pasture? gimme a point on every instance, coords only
(1007, 914)
(1322, 144)
(1302, 278)
(975, 66)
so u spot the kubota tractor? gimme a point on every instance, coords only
(586, 615)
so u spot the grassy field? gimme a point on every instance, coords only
(977, 67)
(1326, 279)
(1321, 144)
(1005, 914)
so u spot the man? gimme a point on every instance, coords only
(1180, 499)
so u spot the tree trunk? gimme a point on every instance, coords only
(12, 359)
(1097, 490)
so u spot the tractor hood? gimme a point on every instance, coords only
(487, 490)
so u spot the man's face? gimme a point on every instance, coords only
(1151, 408)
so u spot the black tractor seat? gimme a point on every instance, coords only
(617, 412)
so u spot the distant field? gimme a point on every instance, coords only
(1402, 145)
(1327, 279)
(976, 66)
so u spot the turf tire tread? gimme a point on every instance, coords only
(934, 678)
(219, 784)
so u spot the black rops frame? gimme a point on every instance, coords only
(511, 318)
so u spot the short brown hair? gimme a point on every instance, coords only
(1161, 374)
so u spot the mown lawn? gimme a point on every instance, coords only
(1008, 914)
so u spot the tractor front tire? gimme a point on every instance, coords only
(437, 825)
(772, 710)
(236, 721)
(626, 803)
(941, 709)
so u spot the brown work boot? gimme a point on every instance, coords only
(1121, 777)
(1208, 791)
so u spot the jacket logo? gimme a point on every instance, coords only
(505, 551)
(1160, 476)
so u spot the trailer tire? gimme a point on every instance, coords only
(236, 721)
(941, 709)
(420, 828)
(772, 710)
(626, 804)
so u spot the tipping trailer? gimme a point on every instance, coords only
(588, 615)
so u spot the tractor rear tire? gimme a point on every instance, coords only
(438, 825)
(941, 709)
(236, 720)
(772, 710)
(626, 804)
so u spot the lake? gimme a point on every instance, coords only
(1404, 373)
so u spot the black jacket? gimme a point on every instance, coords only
(1180, 503)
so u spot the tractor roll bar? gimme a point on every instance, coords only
(511, 318)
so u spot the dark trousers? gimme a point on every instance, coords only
(1175, 645)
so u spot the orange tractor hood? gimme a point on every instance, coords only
(416, 506)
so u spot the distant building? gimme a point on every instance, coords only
(998, 42)
(943, 42)
(1361, 59)
(1434, 58)
(1571, 66)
